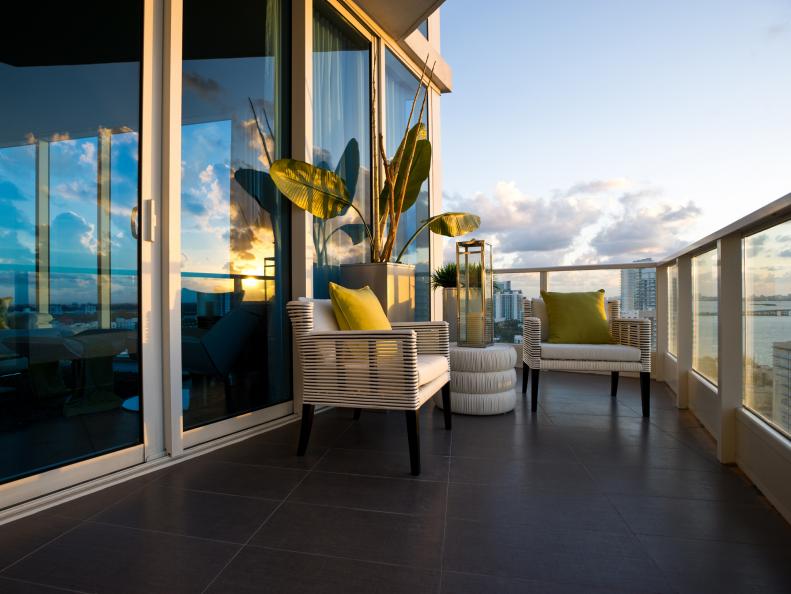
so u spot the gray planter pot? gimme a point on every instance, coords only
(393, 284)
(449, 314)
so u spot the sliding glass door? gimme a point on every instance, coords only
(235, 343)
(70, 384)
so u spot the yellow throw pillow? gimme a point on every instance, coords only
(357, 309)
(577, 318)
(5, 304)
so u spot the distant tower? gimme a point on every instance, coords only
(781, 392)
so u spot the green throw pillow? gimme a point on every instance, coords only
(577, 318)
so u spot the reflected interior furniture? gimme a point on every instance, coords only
(482, 380)
(398, 369)
(630, 353)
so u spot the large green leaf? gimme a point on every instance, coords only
(259, 185)
(453, 224)
(348, 168)
(320, 192)
(355, 232)
(412, 175)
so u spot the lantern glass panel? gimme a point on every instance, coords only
(475, 289)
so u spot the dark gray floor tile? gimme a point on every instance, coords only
(372, 432)
(372, 493)
(192, 513)
(581, 557)
(84, 507)
(646, 456)
(699, 566)
(102, 558)
(263, 570)
(22, 537)
(700, 519)
(234, 479)
(268, 454)
(327, 428)
(669, 482)
(551, 477)
(394, 464)
(465, 583)
(8, 586)
(509, 505)
(355, 534)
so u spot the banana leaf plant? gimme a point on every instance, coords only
(327, 194)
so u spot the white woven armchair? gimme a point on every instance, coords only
(632, 353)
(398, 369)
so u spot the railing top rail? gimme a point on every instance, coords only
(766, 216)
(581, 267)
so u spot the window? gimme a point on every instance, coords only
(341, 138)
(705, 316)
(234, 225)
(423, 28)
(767, 325)
(69, 308)
(672, 309)
(401, 85)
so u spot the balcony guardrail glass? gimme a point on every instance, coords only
(705, 316)
(767, 325)
(510, 291)
(672, 310)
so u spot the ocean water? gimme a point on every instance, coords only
(761, 332)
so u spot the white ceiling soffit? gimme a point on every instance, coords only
(399, 17)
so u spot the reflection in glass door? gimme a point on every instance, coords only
(69, 306)
(234, 225)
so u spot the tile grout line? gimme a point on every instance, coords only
(268, 517)
(48, 586)
(80, 522)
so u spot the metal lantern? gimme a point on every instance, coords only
(475, 288)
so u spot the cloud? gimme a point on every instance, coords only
(755, 245)
(206, 88)
(785, 254)
(73, 241)
(14, 252)
(644, 228)
(596, 186)
(10, 191)
(88, 154)
(778, 30)
(516, 223)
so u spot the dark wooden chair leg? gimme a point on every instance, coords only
(525, 374)
(534, 389)
(304, 431)
(446, 406)
(614, 384)
(645, 392)
(413, 433)
(357, 412)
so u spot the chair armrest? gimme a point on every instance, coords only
(531, 342)
(350, 367)
(634, 333)
(432, 337)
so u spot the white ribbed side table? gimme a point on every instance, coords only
(482, 381)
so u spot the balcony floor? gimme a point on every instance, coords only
(583, 497)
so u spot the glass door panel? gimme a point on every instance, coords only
(234, 225)
(69, 299)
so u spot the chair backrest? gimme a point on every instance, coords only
(536, 308)
(309, 315)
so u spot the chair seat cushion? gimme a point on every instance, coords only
(430, 367)
(589, 352)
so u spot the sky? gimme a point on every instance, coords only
(607, 131)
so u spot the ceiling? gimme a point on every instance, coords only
(399, 18)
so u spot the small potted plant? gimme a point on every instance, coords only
(445, 277)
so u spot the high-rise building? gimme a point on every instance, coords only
(638, 288)
(507, 302)
(781, 391)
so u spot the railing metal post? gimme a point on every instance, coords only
(731, 347)
(543, 280)
(662, 314)
(684, 329)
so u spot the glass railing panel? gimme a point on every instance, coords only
(767, 325)
(672, 310)
(705, 317)
(510, 291)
